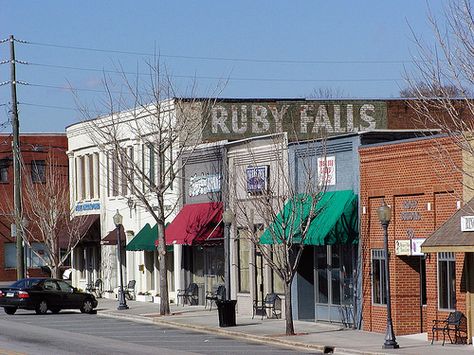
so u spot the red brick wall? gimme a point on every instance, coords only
(33, 147)
(408, 176)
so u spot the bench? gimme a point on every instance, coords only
(271, 303)
(188, 295)
(454, 326)
(217, 294)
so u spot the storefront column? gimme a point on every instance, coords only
(178, 272)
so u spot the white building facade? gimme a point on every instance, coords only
(99, 187)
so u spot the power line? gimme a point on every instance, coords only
(55, 107)
(216, 77)
(228, 59)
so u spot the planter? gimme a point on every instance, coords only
(144, 298)
(156, 299)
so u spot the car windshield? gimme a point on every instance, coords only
(25, 283)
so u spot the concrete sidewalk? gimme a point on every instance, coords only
(323, 337)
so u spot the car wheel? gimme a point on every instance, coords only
(87, 306)
(55, 310)
(10, 310)
(42, 307)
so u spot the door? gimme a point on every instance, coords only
(259, 279)
(334, 283)
(51, 293)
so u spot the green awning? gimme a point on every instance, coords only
(334, 222)
(144, 240)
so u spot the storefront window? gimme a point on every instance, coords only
(278, 256)
(322, 265)
(378, 277)
(446, 280)
(243, 245)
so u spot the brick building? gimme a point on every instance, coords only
(36, 150)
(423, 189)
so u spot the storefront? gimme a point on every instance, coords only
(419, 180)
(258, 178)
(326, 285)
(196, 233)
(453, 245)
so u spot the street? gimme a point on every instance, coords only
(76, 333)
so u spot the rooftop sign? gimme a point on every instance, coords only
(301, 119)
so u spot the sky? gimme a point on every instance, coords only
(237, 49)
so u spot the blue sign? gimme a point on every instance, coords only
(90, 206)
(257, 179)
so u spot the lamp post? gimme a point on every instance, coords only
(384, 213)
(228, 218)
(121, 297)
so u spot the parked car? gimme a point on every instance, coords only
(43, 294)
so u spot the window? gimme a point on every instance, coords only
(378, 277)
(97, 175)
(151, 174)
(446, 280)
(33, 259)
(115, 176)
(38, 171)
(10, 255)
(90, 164)
(278, 258)
(243, 245)
(65, 287)
(4, 163)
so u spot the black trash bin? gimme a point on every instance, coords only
(226, 310)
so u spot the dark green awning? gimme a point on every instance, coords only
(144, 240)
(335, 220)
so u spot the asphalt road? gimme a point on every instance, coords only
(76, 333)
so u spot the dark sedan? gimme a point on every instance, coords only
(43, 294)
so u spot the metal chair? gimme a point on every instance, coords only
(95, 288)
(454, 325)
(217, 294)
(271, 303)
(189, 294)
(129, 290)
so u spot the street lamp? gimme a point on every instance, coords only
(384, 213)
(228, 218)
(121, 296)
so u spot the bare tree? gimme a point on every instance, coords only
(443, 79)
(286, 209)
(327, 93)
(146, 147)
(47, 214)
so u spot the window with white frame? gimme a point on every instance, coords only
(379, 295)
(91, 172)
(446, 280)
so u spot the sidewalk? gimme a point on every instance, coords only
(321, 337)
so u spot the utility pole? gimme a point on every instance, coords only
(20, 269)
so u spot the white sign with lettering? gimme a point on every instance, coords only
(467, 223)
(203, 184)
(327, 171)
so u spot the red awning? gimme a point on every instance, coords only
(196, 224)
(87, 230)
(111, 237)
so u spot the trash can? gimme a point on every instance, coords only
(226, 310)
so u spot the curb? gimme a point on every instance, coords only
(325, 349)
